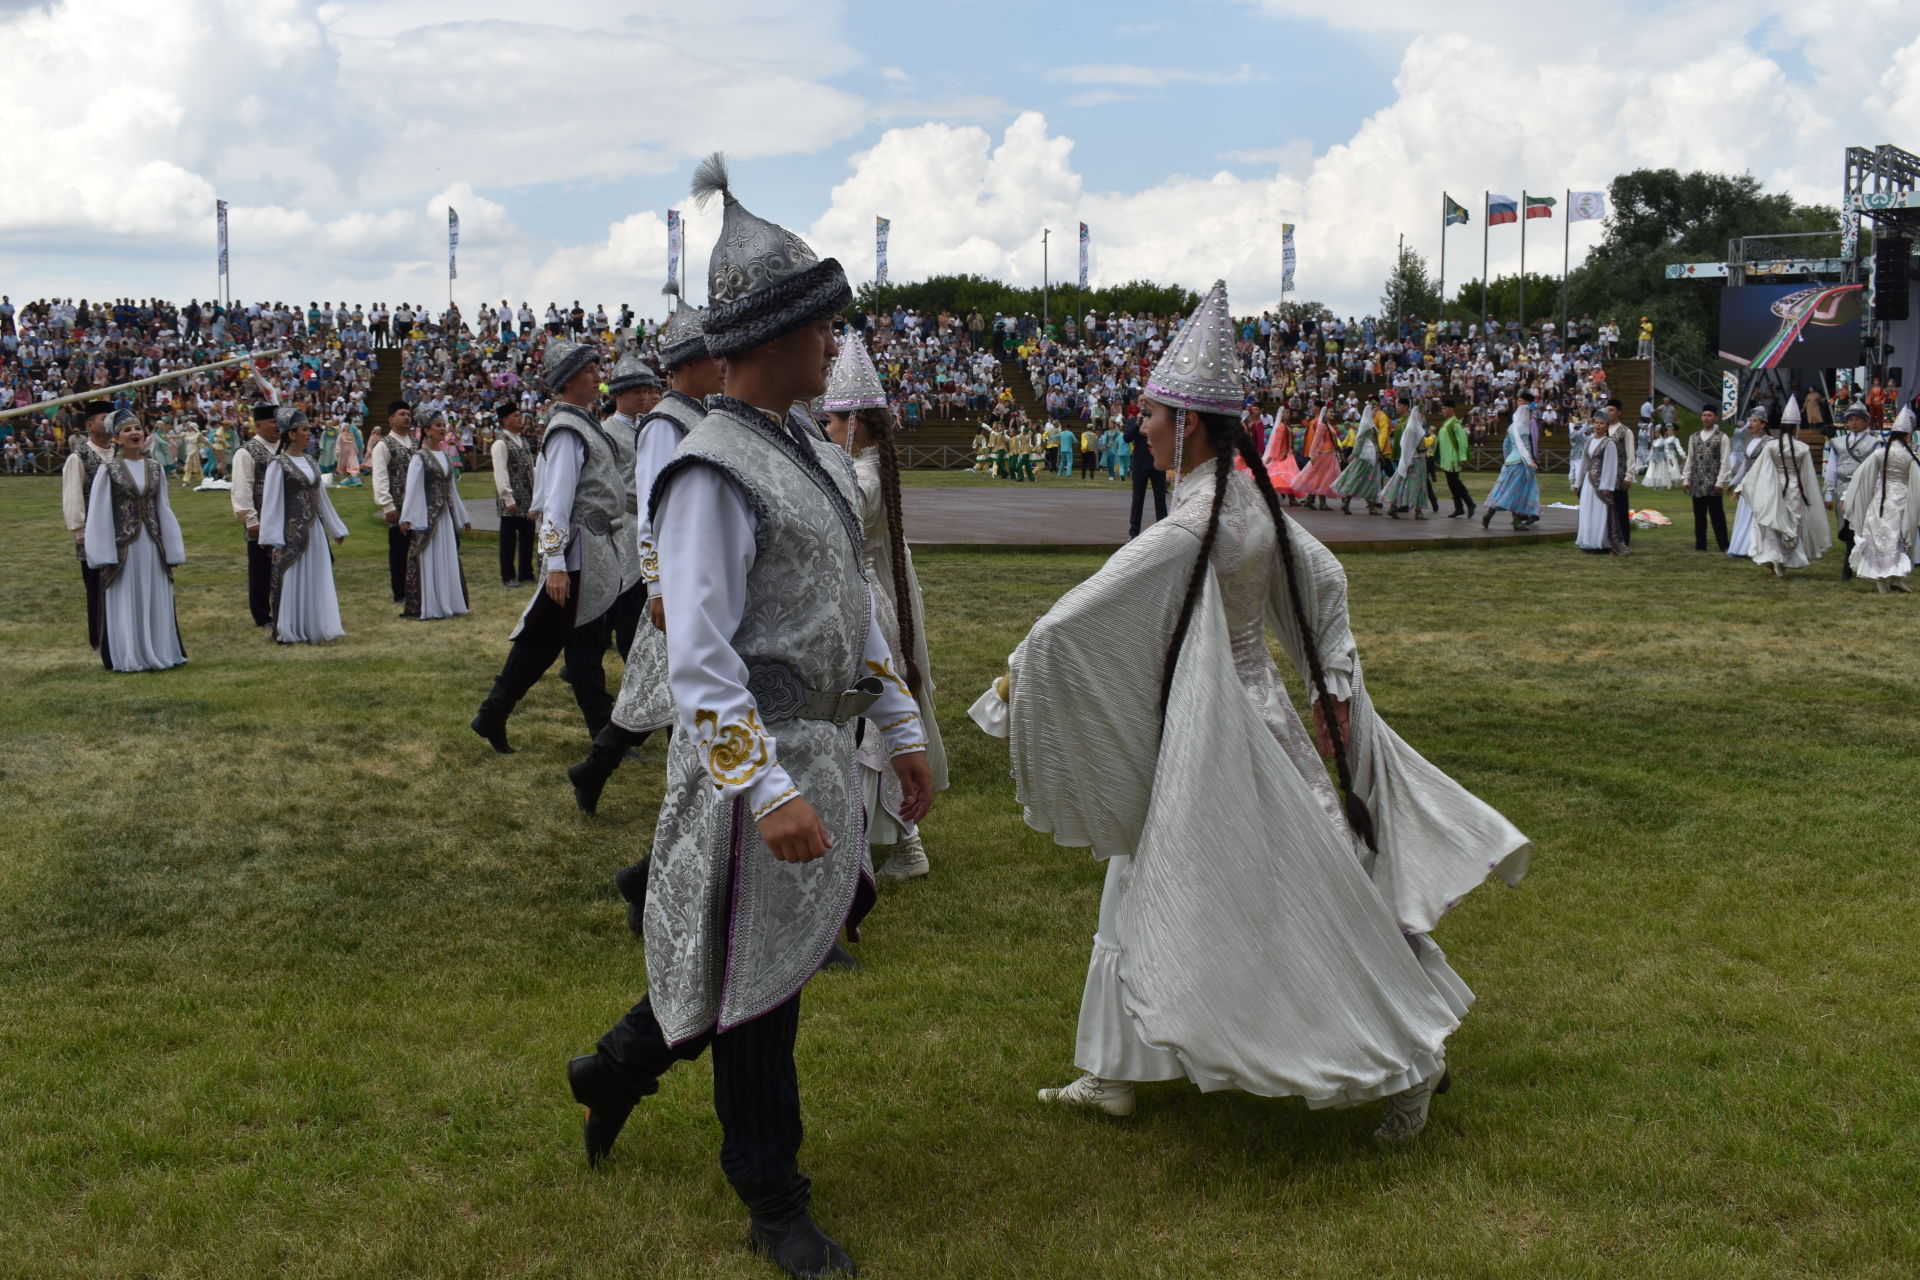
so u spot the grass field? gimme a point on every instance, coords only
(290, 963)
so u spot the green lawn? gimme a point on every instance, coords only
(290, 963)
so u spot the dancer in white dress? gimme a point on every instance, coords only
(1739, 458)
(134, 541)
(1790, 529)
(1664, 457)
(1257, 931)
(860, 422)
(433, 516)
(296, 520)
(1881, 503)
(1599, 477)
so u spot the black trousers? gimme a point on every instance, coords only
(1709, 508)
(1462, 500)
(1620, 502)
(1144, 475)
(96, 618)
(1433, 499)
(260, 583)
(547, 633)
(1846, 550)
(1088, 460)
(756, 1090)
(397, 562)
(624, 615)
(516, 549)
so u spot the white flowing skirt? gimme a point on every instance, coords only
(442, 593)
(309, 606)
(1879, 551)
(1109, 1043)
(1594, 515)
(1740, 544)
(1770, 548)
(142, 633)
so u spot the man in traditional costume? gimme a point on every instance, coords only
(1261, 928)
(389, 461)
(584, 548)
(1880, 500)
(513, 495)
(645, 704)
(1845, 452)
(1790, 529)
(1453, 457)
(1700, 477)
(1621, 497)
(76, 494)
(774, 651)
(635, 389)
(250, 464)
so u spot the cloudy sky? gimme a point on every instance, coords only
(339, 133)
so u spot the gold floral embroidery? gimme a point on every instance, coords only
(775, 803)
(909, 718)
(649, 562)
(552, 541)
(735, 752)
(884, 669)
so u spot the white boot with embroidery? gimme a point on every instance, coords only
(1406, 1114)
(1115, 1097)
(907, 861)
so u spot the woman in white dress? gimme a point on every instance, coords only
(1739, 458)
(860, 422)
(1260, 929)
(1881, 502)
(1664, 459)
(1781, 488)
(1599, 477)
(434, 516)
(296, 520)
(133, 539)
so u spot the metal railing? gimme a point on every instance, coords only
(935, 458)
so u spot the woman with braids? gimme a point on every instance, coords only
(1263, 926)
(1880, 502)
(132, 538)
(296, 519)
(433, 517)
(859, 422)
(1790, 529)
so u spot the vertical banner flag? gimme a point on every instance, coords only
(1456, 213)
(1849, 232)
(1083, 255)
(880, 228)
(675, 229)
(453, 243)
(1540, 206)
(1729, 395)
(220, 216)
(1502, 210)
(1286, 257)
(1586, 206)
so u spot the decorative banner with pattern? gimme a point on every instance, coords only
(1729, 395)
(1286, 257)
(676, 231)
(1849, 233)
(453, 243)
(1083, 255)
(220, 217)
(880, 228)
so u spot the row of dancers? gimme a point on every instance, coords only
(115, 502)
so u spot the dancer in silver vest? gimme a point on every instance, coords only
(773, 652)
(635, 389)
(389, 460)
(645, 704)
(583, 547)
(250, 463)
(513, 495)
(76, 493)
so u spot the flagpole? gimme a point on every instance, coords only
(1486, 231)
(1566, 261)
(1443, 255)
(1524, 219)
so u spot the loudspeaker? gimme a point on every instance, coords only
(1890, 255)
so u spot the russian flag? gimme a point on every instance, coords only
(1502, 209)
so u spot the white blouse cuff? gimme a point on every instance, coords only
(990, 712)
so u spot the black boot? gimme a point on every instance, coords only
(784, 1232)
(494, 729)
(608, 1098)
(632, 882)
(842, 959)
(589, 777)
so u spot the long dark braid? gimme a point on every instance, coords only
(1906, 442)
(879, 423)
(1228, 437)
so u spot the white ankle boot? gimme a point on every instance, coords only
(1406, 1114)
(907, 861)
(1115, 1097)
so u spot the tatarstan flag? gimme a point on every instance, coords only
(1502, 209)
(1540, 206)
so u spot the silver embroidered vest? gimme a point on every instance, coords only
(609, 564)
(400, 452)
(519, 475)
(436, 486)
(263, 455)
(133, 510)
(645, 703)
(302, 499)
(731, 931)
(623, 438)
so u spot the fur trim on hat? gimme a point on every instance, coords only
(765, 314)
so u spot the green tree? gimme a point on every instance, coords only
(993, 297)
(1410, 292)
(1503, 299)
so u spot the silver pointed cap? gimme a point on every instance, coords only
(1200, 369)
(854, 383)
(631, 372)
(683, 338)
